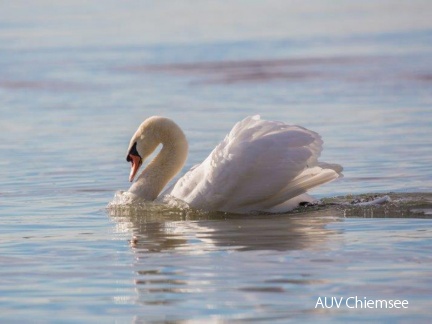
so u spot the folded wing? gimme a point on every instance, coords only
(258, 166)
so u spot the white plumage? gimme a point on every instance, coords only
(260, 166)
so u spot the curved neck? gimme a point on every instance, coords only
(162, 168)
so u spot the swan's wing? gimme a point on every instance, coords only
(260, 164)
(168, 190)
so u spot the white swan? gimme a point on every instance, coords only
(260, 166)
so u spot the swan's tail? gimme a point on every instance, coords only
(296, 191)
(310, 178)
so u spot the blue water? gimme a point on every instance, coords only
(77, 79)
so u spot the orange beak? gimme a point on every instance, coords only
(136, 163)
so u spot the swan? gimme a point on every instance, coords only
(260, 166)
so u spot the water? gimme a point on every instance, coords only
(77, 79)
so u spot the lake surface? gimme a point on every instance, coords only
(76, 80)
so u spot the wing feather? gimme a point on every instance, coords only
(259, 164)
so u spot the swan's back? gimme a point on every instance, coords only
(259, 166)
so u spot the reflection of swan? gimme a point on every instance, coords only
(156, 228)
(259, 166)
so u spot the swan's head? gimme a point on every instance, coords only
(152, 132)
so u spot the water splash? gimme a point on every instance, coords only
(391, 205)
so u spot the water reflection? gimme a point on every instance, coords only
(186, 258)
(157, 229)
(262, 267)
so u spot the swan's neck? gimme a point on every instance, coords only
(162, 168)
